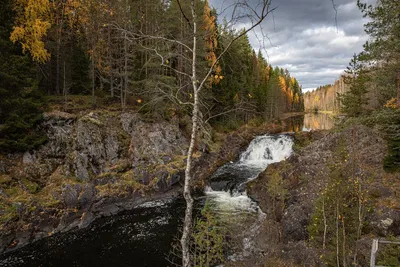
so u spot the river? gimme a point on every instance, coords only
(143, 236)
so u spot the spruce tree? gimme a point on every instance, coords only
(20, 102)
(355, 100)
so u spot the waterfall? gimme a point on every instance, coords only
(266, 149)
(227, 188)
(261, 152)
(227, 185)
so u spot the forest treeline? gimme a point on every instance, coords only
(373, 77)
(374, 74)
(114, 53)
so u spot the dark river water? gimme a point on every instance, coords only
(141, 237)
(144, 236)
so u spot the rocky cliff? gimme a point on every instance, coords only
(100, 163)
(93, 165)
(325, 98)
(333, 178)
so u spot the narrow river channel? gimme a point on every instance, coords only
(143, 236)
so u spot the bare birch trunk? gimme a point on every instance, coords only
(110, 63)
(93, 81)
(65, 89)
(197, 87)
(187, 225)
(58, 48)
(58, 63)
(344, 242)
(398, 89)
(125, 91)
(325, 223)
(337, 234)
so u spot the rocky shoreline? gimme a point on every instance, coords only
(290, 193)
(100, 164)
(93, 165)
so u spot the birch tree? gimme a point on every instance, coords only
(240, 12)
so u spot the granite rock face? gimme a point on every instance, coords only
(309, 172)
(90, 145)
(94, 164)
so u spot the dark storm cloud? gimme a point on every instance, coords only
(302, 36)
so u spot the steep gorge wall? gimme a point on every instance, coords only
(100, 163)
(306, 178)
(93, 165)
(325, 98)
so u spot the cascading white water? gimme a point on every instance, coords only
(233, 207)
(261, 152)
(266, 149)
(233, 203)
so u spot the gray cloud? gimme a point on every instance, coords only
(302, 36)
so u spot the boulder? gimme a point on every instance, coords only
(70, 195)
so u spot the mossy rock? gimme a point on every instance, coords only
(32, 187)
(90, 119)
(5, 179)
(8, 213)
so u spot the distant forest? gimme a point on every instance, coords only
(81, 54)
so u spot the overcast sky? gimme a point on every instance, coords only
(303, 38)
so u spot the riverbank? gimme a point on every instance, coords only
(99, 164)
(286, 116)
(337, 174)
(94, 164)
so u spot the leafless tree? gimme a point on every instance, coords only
(248, 14)
(255, 14)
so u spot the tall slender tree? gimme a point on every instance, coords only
(198, 84)
(31, 25)
(355, 100)
(383, 49)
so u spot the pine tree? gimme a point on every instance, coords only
(20, 102)
(383, 49)
(354, 101)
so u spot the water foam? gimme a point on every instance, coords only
(267, 149)
(227, 202)
(234, 207)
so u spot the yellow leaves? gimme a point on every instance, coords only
(391, 103)
(32, 24)
(73, 4)
(296, 98)
(282, 83)
(236, 98)
(209, 19)
(217, 78)
(211, 43)
(17, 33)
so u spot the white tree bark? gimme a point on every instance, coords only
(187, 224)
(197, 86)
(255, 16)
